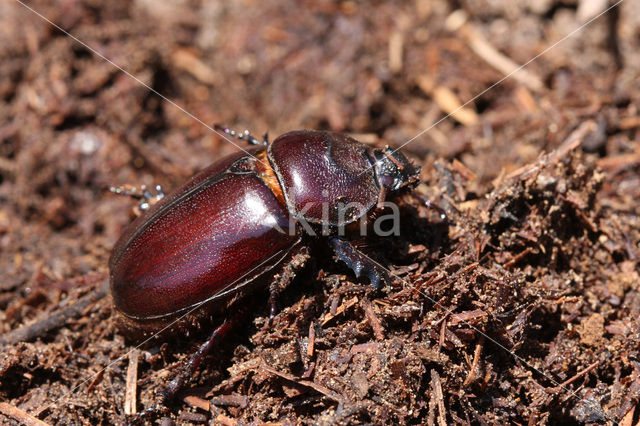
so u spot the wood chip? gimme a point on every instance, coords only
(366, 347)
(562, 387)
(312, 339)
(187, 416)
(50, 321)
(447, 101)
(475, 371)
(339, 310)
(374, 322)
(588, 9)
(396, 42)
(186, 60)
(436, 387)
(197, 402)
(20, 415)
(627, 420)
(234, 400)
(463, 170)
(317, 387)
(466, 317)
(481, 47)
(130, 401)
(569, 144)
(221, 419)
(525, 99)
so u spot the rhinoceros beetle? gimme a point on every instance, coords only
(244, 220)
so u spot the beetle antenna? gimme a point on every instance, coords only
(243, 136)
(388, 153)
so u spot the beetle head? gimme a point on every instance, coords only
(393, 170)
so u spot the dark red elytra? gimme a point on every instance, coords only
(230, 227)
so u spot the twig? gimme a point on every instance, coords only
(564, 384)
(463, 170)
(221, 419)
(618, 162)
(396, 42)
(436, 387)
(431, 417)
(186, 60)
(306, 383)
(627, 419)
(20, 415)
(131, 384)
(191, 418)
(447, 101)
(443, 329)
(98, 377)
(349, 303)
(230, 400)
(312, 339)
(518, 257)
(57, 319)
(467, 317)
(572, 142)
(197, 402)
(497, 60)
(475, 365)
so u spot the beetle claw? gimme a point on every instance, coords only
(359, 263)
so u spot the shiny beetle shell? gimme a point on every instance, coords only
(230, 225)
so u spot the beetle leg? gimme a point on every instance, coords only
(243, 136)
(358, 262)
(141, 193)
(280, 281)
(273, 301)
(143, 416)
(185, 375)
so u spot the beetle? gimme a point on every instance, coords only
(229, 229)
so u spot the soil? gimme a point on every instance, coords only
(522, 307)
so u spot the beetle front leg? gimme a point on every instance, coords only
(358, 262)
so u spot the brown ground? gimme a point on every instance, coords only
(526, 313)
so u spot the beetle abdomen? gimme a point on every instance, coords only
(210, 240)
